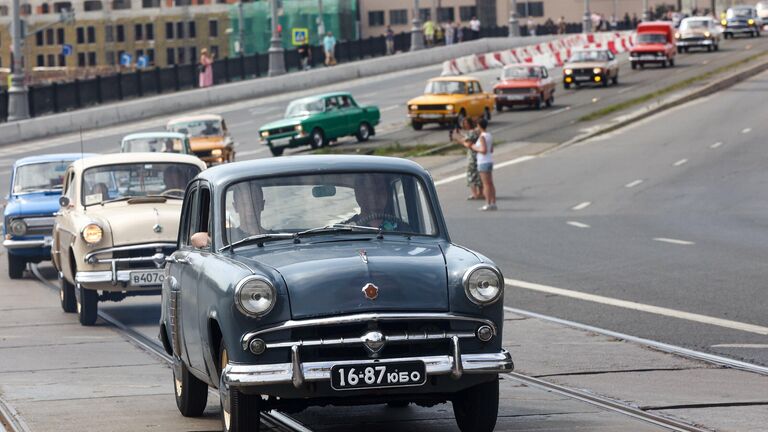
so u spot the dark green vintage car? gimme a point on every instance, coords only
(318, 120)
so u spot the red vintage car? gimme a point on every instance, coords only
(527, 84)
(655, 43)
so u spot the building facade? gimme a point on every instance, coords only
(165, 32)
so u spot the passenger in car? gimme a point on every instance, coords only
(248, 200)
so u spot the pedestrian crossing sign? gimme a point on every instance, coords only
(299, 36)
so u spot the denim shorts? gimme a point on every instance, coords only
(485, 167)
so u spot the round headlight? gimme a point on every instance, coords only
(265, 134)
(18, 227)
(724, 22)
(568, 71)
(483, 284)
(255, 296)
(707, 34)
(597, 70)
(751, 22)
(216, 152)
(449, 107)
(414, 107)
(299, 128)
(92, 233)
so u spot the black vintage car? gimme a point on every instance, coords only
(328, 280)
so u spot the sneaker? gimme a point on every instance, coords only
(488, 207)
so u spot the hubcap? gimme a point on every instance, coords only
(318, 140)
(61, 293)
(364, 131)
(177, 386)
(224, 393)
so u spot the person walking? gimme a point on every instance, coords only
(329, 46)
(561, 27)
(205, 69)
(531, 27)
(484, 148)
(469, 134)
(459, 32)
(450, 33)
(474, 27)
(429, 32)
(305, 55)
(389, 38)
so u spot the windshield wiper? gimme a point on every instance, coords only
(260, 239)
(337, 228)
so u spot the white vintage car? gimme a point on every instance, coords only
(118, 220)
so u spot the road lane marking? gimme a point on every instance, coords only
(555, 112)
(389, 108)
(515, 161)
(641, 307)
(752, 346)
(581, 206)
(674, 241)
(625, 89)
(746, 130)
(681, 162)
(251, 152)
(633, 184)
(577, 224)
(716, 145)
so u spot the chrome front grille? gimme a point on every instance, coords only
(431, 107)
(37, 225)
(516, 90)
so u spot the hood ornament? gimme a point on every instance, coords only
(370, 291)
(363, 255)
(157, 227)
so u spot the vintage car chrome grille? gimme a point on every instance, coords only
(132, 256)
(693, 38)
(203, 153)
(431, 107)
(516, 90)
(582, 72)
(137, 254)
(37, 225)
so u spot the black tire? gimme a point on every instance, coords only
(241, 412)
(566, 86)
(364, 132)
(717, 47)
(671, 62)
(537, 105)
(191, 393)
(634, 65)
(317, 138)
(67, 296)
(16, 266)
(476, 408)
(487, 115)
(615, 80)
(551, 100)
(398, 404)
(499, 108)
(642, 65)
(605, 81)
(417, 126)
(87, 305)
(664, 64)
(277, 151)
(709, 48)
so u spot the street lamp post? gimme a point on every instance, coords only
(587, 20)
(417, 36)
(646, 15)
(240, 29)
(18, 104)
(276, 52)
(514, 24)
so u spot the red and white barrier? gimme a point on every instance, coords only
(549, 54)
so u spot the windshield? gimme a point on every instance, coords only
(304, 107)
(39, 177)
(111, 182)
(198, 128)
(739, 12)
(446, 87)
(521, 73)
(651, 38)
(161, 145)
(693, 25)
(394, 203)
(588, 56)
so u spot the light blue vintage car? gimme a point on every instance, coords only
(156, 142)
(29, 210)
(328, 280)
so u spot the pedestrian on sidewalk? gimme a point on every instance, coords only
(459, 32)
(305, 55)
(531, 27)
(561, 25)
(450, 33)
(484, 148)
(429, 32)
(329, 46)
(469, 134)
(389, 38)
(205, 69)
(474, 27)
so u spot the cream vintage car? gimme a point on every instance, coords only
(118, 220)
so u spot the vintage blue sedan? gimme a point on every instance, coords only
(319, 280)
(30, 206)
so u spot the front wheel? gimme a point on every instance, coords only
(239, 412)
(87, 305)
(417, 126)
(317, 139)
(191, 393)
(566, 86)
(476, 408)
(67, 296)
(671, 62)
(615, 79)
(537, 104)
(16, 266)
(277, 151)
(634, 65)
(364, 132)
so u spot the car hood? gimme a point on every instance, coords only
(206, 143)
(286, 122)
(651, 47)
(585, 65)
(435, 99)
(521, 83)
(38, 203)
(325, 279)
(135, 223)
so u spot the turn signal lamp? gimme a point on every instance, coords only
(598, 79)
(568, 79)
(751, 21)
(724, 23)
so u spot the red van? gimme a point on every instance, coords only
(654, 43)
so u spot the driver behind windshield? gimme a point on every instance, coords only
(248, 201)
(175, 179)
(372, 192)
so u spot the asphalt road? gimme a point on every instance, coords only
(666, 213)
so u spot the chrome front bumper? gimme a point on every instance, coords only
(699, 42)
(27, 244)
(237, 375)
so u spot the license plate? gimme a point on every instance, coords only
(378, 375)
(514, 97)
(583, 78)
(431, 116)
(646, 57)
(145, 278)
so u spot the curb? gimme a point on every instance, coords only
(9, 417)
(649, 110)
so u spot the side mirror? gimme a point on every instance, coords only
(63, 201)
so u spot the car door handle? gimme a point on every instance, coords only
(173, 259)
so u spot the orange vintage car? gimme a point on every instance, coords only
(447, 100)
(208, 137)
(528, 84)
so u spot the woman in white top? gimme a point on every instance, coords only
(484, 149)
